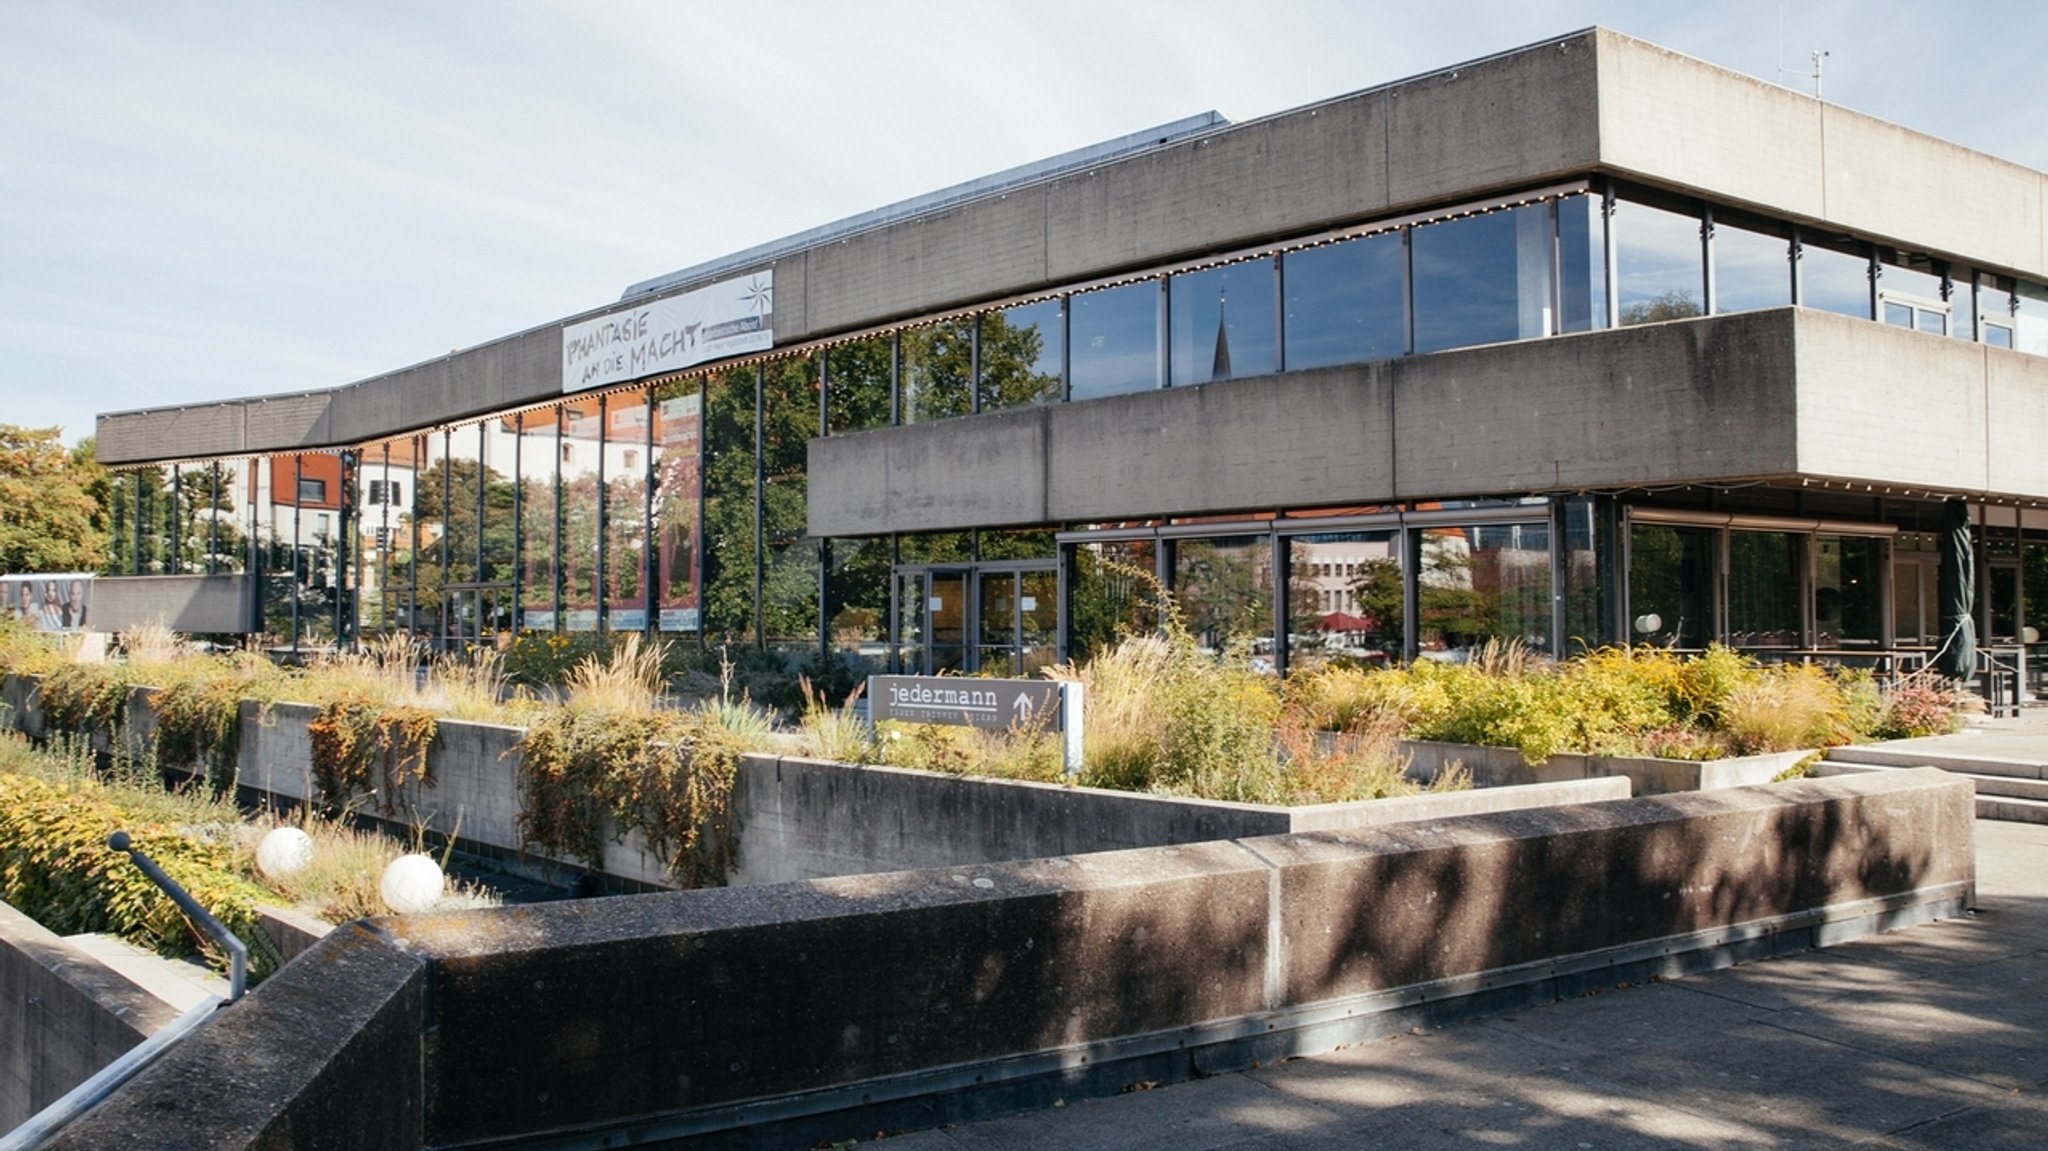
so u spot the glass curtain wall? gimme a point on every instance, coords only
(859, 383)
(1225, 588)
(1347, 302)
(1483, 279)
(1345, 598)
(1115, 341)
(678, 494)
(628, 420)
(1109, 593)
(1482, 582)
(581, 454)
(1671, 585)
(1021, 356)
(1848, 597)
(1764, 589)
(540, 458)
(1221, 320)
(790, 575)
(1659, 264)
(731, 521)
(936, 371)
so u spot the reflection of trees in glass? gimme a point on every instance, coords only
(1010, 354)
(938, 371)
(2034, 586)
(729, 505)
(1454, 612)
(1109, 596)
(858, 379)
(537, 537)
(1225, 590)
(1676, 304)
(459, 482)
(789, 395)
(1377, 588)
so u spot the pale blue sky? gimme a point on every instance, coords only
(204, 200)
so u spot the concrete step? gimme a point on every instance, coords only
(182, 985)
(1905, 755)
(2012, 810)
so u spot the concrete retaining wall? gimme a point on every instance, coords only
(190, 604)
(67, 1016)
(814, 1012)
(809, 819)
(1504, 766)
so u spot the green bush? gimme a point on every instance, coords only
(56, 868)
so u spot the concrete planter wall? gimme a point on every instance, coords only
(1504, 766)
(799, 818)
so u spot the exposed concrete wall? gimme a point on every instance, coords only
(324, 1054)
(1762, 144)
(806, 819)
(67, 1016)
(194, 604)
(816, 1011)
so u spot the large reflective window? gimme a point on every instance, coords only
(858, 384)
(1115, 335)
(1482, 582)
(937, 371)
(857, 603)
(1916, 582)
(1221, 320)
(1022, 350)
(790, 575)
(627, 420)
(678, 434)
(1659, 264)
(1582, 264)
(1110, 594)
(582, 443)
(1848, 580)
(1482, 279)
(1752, 270)
(1225, 588)
(1344, 598)
(540, 454)
(1587, 595)
(729, 507)
(1345, 301)
(1671, 585)
(486, 610)
(1763, 589)
(1994, 312)
(1834, 276)
(416, 566)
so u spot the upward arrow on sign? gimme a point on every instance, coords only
(1023, 709)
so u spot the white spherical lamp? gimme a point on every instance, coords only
(411, 884)
(284, 852)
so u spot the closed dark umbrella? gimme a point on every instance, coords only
(1958, 582)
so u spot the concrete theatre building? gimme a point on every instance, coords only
(1587, 342)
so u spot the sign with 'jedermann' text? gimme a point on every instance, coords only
(1034, 705)
(728, 318)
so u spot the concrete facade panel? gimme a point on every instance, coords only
(1890, 406)
(195, 604)
(1929, 194)
(1294, 172)
(1523, 118)
(1688, 401)
(990, 247)
(1305, 438)
(2016, 422)
(1672, 120)
(985, 470)
(205, 430)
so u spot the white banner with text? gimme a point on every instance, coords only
(728, 318)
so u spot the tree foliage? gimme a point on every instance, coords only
(49, 520)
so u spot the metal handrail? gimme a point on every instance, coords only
(238, 952)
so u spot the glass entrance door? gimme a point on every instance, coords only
(1019, 621)
(994, 621)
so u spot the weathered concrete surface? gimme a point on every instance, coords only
(808, 819)
(67, 1016)
(1927, 1039)
(193, 604)
(1497, 767)
(324, 1054)
(866, 980)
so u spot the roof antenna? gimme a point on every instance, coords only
(1819, 55)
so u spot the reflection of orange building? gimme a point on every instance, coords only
(309, 481)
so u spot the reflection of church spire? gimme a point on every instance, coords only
(1220, 370)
